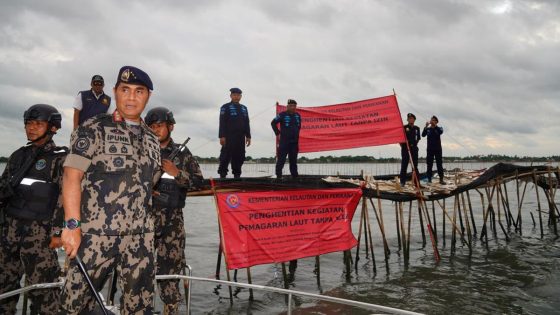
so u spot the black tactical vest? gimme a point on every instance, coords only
(36, 196)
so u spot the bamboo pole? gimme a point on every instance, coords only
(472, 215)
(551, 205)
(467, 224)
(370, 239)
(250, 280)
(380, 224)
(538, 203)
(459, 210)
(507, 206)
(403, 232)
(365, 236)
(213, 187)
(442, 221)
(454, 222)
(421, 223)
(285, 276)
(435, 224)
(362, 215)
(397, 223)
(408, 231)
(318, 270)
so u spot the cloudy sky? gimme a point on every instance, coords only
(489, 69)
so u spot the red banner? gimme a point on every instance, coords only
(372, 122)
(278, 226)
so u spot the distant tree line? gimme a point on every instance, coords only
(371, 159)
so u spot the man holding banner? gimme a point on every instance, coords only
(288, 144)
(412, 133)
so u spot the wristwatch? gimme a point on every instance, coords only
(72, 224)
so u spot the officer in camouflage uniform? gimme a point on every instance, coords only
(113, 164)
(30, 188)
(182, 173)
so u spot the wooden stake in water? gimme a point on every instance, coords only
(385, 243)
(380, 224)
(362, 215)
(421, 223)
(403, 232)
(397, 223)
(472, 215)
(538, 203)
(370, 238)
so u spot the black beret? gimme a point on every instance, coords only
(410, 115)
(291, 101)
(133, 75)
(235, 90)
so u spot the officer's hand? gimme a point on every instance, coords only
(223, 141)
(248, 141)
(169, 167)
(427, 123)
(71, 240)
(56, 242)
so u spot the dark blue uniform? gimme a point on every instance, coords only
(413, 136)
(434, 150)
(290, 124)
(234, 126)
(92, 106)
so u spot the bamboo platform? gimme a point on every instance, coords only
(452, 207)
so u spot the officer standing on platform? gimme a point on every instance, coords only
(113, 164)
(412, 133)
(288, 144)
(30, 188)
(180, 174)
(91, 102)
(234, 134)
(434, 132)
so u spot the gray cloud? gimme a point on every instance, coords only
(488, 69)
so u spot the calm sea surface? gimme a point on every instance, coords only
(516, 277)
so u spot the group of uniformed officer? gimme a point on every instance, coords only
(95, 200)
(113, 199)
(409, 149)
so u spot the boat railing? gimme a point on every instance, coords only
(189, 279)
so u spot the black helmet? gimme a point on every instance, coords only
(159, 114)
(43, 112)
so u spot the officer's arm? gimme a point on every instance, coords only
(76, 117)
(222, 127)
(247, 127)
(425, 131)
(71, 200)
(58, 215)
(274, 124)
(417, 134)
(439, 130)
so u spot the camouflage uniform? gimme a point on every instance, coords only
(121, 164)
(169, 222)
(24, 243)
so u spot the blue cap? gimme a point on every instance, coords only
(235, 91)
(97, 78)
(133, 75)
